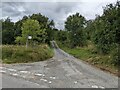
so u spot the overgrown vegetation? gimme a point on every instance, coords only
(103, 32)
(89, 54)
(32, 28)
(21, 54)
(12, 31)
(106, 32)
(15, 34)
(74, 25)
(96, 41)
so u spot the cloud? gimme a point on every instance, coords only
(58, 11)
(12, 10)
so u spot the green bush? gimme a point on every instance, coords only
(115, 56)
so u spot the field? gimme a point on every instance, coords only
(21, 54)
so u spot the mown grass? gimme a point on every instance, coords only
(21, 54)
(89, 54)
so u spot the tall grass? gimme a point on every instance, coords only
(89, 54)
(21, 54)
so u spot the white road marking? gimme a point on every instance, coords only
(50, 82)
(101, 87)
(44, 80)
(24, 72)
(2, 71)
(15, 74)
(12, 70)
(53, 77)
(95, 86)
(43, 75)
(75, 82)
(38, 74)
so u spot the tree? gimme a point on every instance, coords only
(45, 23)
(32, 28)
(18, 25)
(89, 29)
(50, 31)
(8, 32)
(75, 26)
(61, 36)
(106, 32)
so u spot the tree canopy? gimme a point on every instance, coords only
(32, 28)
(8, 32)
(75, 26)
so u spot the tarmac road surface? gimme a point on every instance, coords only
(61, 71)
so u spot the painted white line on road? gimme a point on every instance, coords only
(43, 79)
(38, 74)
(101, 87)
(49, 82)
(2, 71)
(95, 86)
(24, 72)
(12, 70)
(15, 74)
(75, 82)
(53, 77)
(43, 75)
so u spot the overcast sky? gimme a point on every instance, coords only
(58, 10)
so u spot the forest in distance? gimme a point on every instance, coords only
(94, 41)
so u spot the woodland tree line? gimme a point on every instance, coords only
(103, 31)
(36, 25)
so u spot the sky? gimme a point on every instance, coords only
(57, 10)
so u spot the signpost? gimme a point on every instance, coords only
(28, 38)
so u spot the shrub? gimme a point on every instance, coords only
(115, 55)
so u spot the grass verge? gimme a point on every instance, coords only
(90, 55)
(21, 54)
